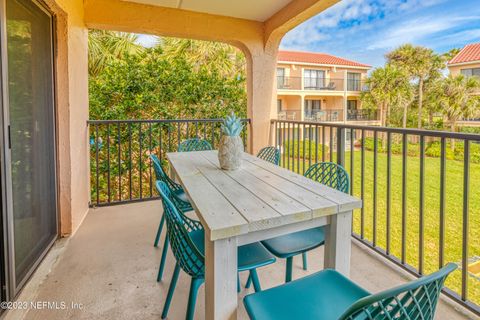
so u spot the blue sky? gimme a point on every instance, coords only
(364, 30)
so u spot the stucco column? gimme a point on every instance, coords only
(345, 87)
(261, 93)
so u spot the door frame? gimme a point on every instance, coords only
(12, 289)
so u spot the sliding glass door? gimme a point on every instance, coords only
(29, 119)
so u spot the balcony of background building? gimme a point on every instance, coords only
(319, 84)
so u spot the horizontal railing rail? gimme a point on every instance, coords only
(421, 207)
(120, 166)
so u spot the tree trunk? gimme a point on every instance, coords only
(430, 119)
(387, 116)
(382, 107)
(420, 102)
(452, 141)
(405, 113)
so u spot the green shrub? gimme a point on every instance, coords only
(434, 150)
(369, 145)
(293, 149)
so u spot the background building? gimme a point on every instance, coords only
(320, 87)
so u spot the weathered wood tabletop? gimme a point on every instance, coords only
(256, 202)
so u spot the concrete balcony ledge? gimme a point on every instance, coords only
(108, 271)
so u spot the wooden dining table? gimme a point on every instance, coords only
(256, 202)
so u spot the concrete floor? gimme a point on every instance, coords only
(109, 268)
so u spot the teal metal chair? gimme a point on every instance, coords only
(290, 245)
(270, 154)
(179, 198)
(187, 240)
(328, 295)
(194, 144)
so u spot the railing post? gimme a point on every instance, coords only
(341, 137)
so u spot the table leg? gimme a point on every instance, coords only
(221, 279)
(338, 243)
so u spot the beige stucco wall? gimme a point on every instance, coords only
(455, 70)
(290, 103)
(71, 60)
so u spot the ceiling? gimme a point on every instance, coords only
(258, 10)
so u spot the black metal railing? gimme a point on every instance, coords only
(362, 115)
(421, 206)
(324, 115)
(319, 84)
(290, 115)
(120, 166)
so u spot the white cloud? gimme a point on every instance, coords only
(415, 30)
(146, 40)
(347, 16)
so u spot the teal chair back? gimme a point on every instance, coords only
(415, 300)
(330, 174)
(161, 175)
(194, 144)
(179, 228)
(270, 154)
(176, 189)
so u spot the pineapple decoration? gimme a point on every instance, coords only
(231, 145)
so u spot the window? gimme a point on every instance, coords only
(353, 81)
(279, 105)
(351, 104)
(471, 72)
(281, 81)
(314, 79)
(312, 107)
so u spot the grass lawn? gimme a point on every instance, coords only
(454, 213)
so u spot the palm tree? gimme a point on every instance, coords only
(458, 99)
(221, 57)
(388, 87)
(420, 64)
(106, 46)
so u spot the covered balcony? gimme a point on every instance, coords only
(79, 203)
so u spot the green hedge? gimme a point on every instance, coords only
(293, 149)
(432, 149)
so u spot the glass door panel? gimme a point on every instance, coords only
(32, 133)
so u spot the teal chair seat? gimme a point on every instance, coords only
(290, 245)
(328, 295)
(295, 243)
(250, 256)
(324, 295)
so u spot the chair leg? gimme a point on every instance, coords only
(304, 258)
(171, 290)
(255, 281)
(238, 283)
(159, 231)
(192, 298)
(288, 274)
(162, 260)
(249, 281)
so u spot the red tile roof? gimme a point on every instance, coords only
(317, 58)
(470, 53)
